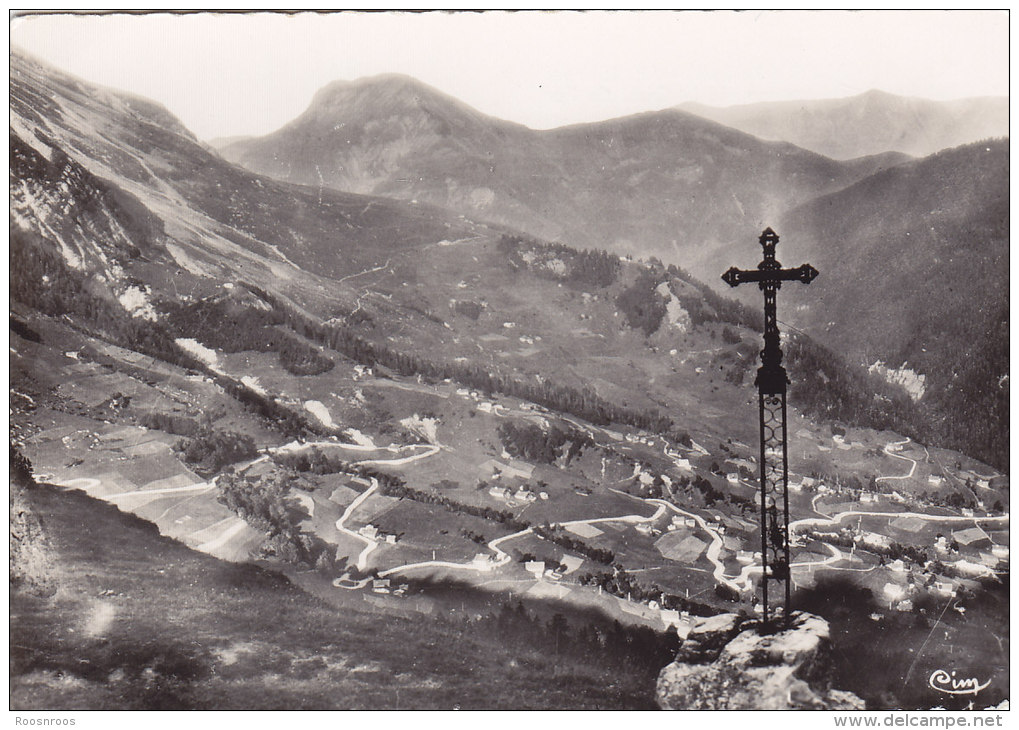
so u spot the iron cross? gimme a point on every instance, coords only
(769, 275)
(771, 387)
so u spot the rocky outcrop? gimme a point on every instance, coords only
(725, 663)
(31, 566)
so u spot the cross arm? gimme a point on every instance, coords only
(734, 277)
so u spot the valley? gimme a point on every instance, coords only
(417, 416)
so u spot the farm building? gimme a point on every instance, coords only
(973, 537)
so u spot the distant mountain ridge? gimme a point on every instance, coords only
(666, 183)
(867, 124)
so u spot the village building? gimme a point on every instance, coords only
(893, 593)
(369, 531)
(988, 559)
(935, 480)
(732, 477)
(525, 495)
(535, 567)
(380, 585)
(972, 537)
(570, 563)
(872, 539)
(514, 468)
(969, 568)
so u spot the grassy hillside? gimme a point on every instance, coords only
(134, 620)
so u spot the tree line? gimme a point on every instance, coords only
(530, 441)
(262, 503)
(630, 648)
(560, 263)
(584, 402)
(233, 327)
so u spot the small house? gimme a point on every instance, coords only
(973, 537)
(535, 567)
(525, 495)
(893, 592)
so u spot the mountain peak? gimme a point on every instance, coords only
(383, 92)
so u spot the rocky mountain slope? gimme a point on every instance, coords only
(870, 123)
(192, 208)
(918, 257)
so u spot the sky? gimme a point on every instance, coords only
(240, 74)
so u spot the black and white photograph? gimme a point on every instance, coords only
(509, 360)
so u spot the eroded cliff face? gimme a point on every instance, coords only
(725, 664)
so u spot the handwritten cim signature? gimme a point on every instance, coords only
(946, 683)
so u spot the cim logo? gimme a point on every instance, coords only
(946, 683)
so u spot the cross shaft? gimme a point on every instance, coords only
(771, 386)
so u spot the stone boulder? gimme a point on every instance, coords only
(726, 664)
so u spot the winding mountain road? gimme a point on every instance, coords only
(912, 462)
(362, 558)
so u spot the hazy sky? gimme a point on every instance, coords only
(249, 74)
